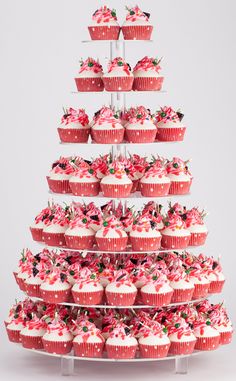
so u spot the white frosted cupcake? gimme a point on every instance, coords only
(196, 226)
(31, 335)
(198, 277)
(120, 343)
(57, 338)
(174, 235)
(169, 125)
(181, 336)
(88, 341)
(111, 236)
(121, 291)
(106, 127)
(84, 182)
(55, 287)
(59, 176)
(208, 338)
(74, 126)
(144, 235)
(155, 182)
(179, 175)
(90, 75)
(79, 235)
(154, 342)
(139, 127)
(116, 183)
(119, 76)
(147, 75)
(137, 25)
(87, 290)
(157, 291)
(181, 284)
(104, 25)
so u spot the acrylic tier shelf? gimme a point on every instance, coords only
(149, 145)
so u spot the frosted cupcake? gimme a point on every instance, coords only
(116, 183)
(31, 335)
(182, 286)
(119, 76)
(144, 235)
(179, 175)
(139, 127)
(137, 25)
(221, 322)
(84, 182)
(104, 25)
(74, 126)
(24, 269)
(14, 328)
(201, 283)
(155, 182)
(57, 224)
(58, 179)
(87, 290)
(88, 341)
(215, 276)
(55, 287)
(33, 282)
(121, 291)
(154, 342)
(174, 234)
(170, 127)
(79, 235)
(39, 224)
(121, 344)
(57, 338)
(157, 291)
(111, 236)
(181, 336)
(208, 338)
(106, 127)
(196, 226)
(90, 75)
(147, 75)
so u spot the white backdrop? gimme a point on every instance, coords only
(40, 52)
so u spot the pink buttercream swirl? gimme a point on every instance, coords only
(135, 14)
(58, 216)
(157, 279)
(84, 172)
(122, 277)
(138, 115)
(177, 166)
(81, 221)
(180, 327)
(154, 328)
(54, 276)
(43, 215)
(121, 331)
(177, 275)
(87, 329)
(106, 115)
(58, 327)
(174, 222)
(91, 64)
(63, 166)
(156, 170)
(36, 323)
(73, 116)
(166, 114)
(100, 165)
(117, 169)
(143, 223)
(112, 223)
(87, 277)
(119, 62)
(104, 15)
(148, 63)
(194, 217)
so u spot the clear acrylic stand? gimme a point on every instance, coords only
(67, 366)
(181, 365)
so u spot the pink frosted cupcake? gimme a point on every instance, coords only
(55, 287)
(87, 290)
(34, 281)
(14, 328)
(121, 291)
(111, 236)
(198, 277)
(57, 224)
(169, 125)
(182, 338)
(57, 338)
(24, 269)
(144, 235)
(214, 275)
(181, 284)
(154, 342)
(90, 75)
(147, 75)
(121, 344)
(60, 174)
(84, 182)
(119, 76)
(107, 127)
(116, 183)
(208, 338)
(31, 335)
(137, 25)
(88, 341)
(179, 175)
(104, 25)
(39, 224)
(197, 228)
(175, 235)
(155, 182)
(157, 291)
(139, 127)
(79, 235)
(74, 126)
(221, 322)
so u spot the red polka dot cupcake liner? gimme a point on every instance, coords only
(116, 190)
(154, 190)
(104, 32)
(85, 189)
(120, 299)
(180, 187)
(174, 242)
(113, 136)
(88, 298)
(182, 295)
(59, 186)
(33, 290)
(148, 83)
(174, 134)
(59, 296)
(37, 234)
(80, 243)
(31, 342)
(89, 84)
(118, 83)
(121, 351)
(57, 347)
(200, 291)
(112, 244)
(13, 335)
(73, 135)
(88, 349)
(154, 351)
(145, 243)
(21, 284)
(182, 348)
(226, 337)
(140, 136)
(197, 239)
(157, 300)
(207, 343)
(138, 32)
(216, 286)
(54, 239)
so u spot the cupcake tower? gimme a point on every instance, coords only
(114, 281)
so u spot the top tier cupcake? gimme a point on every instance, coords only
(104, 24)
(147, 75)
(137, 25)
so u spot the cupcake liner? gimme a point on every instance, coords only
(148, 83)
(226, 337)
(88, 349)
(85, 189)
(137, 32)
(31, 342)
(104, 32)
(207, 343)
(154, 351)
(197, 239)
(179, 187)
(33, 290)
(37, 234)
(216, 286)
(120, 299)
(54, 239)
(112, 244)
(145, 243)
(140, 136)
(74, 135)
(118, 83)
(79, 243)
(154, 190)
(121, 351)
(175, 134)
(157, 300)
(116, 190)
(182, 295)
(112, 136)
(174, 242)
(58, 347)
(89, 84)
(13, 335)
(58, 186)
(21, 284)
(88, 298)
(135, 184)
(59, 296)
(182, 348)
(200, 291)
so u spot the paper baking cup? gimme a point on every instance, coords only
(112, 136)
(33, 290)
(104, 32)
(226, 337)
(37, 234)
(182, 348)
(88, 349)
(207, 343)
(179, 187)
(58, 186)
(89, 84)
(89, 298)
(157, 300)
(216, 286)
(140, 136)
(31, 342)
(21, 284)
(145, 243)
(59, 296)
(13, 335)
(54, 239)
(197, 239)
(154, 351)
(182, 295)
(138, 32)
(116, 190)
(79, 243)
(174, 242)
(118, 83)
(154, 190)
(112, 244)
(85, 189)
(148, 83)
(58, 347)
(170, 134)
(120, 299)
(121, 351)
(200, 291)
(74, 135)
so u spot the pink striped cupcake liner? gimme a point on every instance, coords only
(216, 286)
(121, 351)
(33, 290)
(197, 239)
(58, 296)
(154, 190)
(171, 134)
(207, 343)
(200, 291)
(104, 32)
(120, 299)
(89, 84)
(113, 136)
(112, 244)
(140, 136)
(54, 239)
(182, 348)
(137, 32)
(157, 300)
(13, 335)
(88, 349)
(116, 190)
(118, 83)
(31, 342)
(154, 351)
(21, 284)
(59, 186)
(79, 243)
(85, 189)
(37, 234)
(182, 295)
(73, 135)
(58, 347)
(174, 242)
(179, 187)
(148, 83)
(145, 243)
(88, 298)
(226, 337)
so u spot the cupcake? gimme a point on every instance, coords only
(121, 291)
(137, 25)
(79, 235)
(120, 343)
(208, 338)
(57, 224)
(199, 278)
(214, 275)
(88, 341)
(139, 127)
(55, 287)
(57, 338)
(31, 335)
(145, 235)
(154, 342)
(24, 268)
(155, 182)
(157, 291)
(111, 236)
(174, 234)
(39, 224)
(84, 182)
(147, 75)
(90, 75)
(195, 225)
(169, 125)
(104, 25)
(87, 290)
(179, 175)
(181, 284)
(182, 338)
(58, 179)
(221, 322)
(116, 183)
(106, 127)
(33, 282)
(14, 328)
(119, 76)
(74, 126)
(95, 217)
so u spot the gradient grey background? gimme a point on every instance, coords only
(40, 52)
